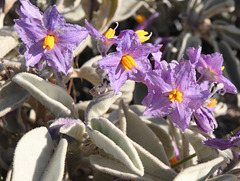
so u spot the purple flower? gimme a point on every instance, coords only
(223, 144)
(210, 67)
(174, 93)
(104, 41)
(47, 36)
(128, 62)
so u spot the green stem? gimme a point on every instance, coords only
(184, 160)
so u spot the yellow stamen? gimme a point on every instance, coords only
(141, 35)
(109, 33)
(222, 68)
(49, 42)
(213, 103)
(175, 95)
(127, 62)
(140, 18)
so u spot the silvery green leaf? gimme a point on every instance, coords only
(226, 177)
(188, 40)
(204, 153)
(153, 166)
(100, 105)
(108, 137)
(127, 92)
(200, 171)
(106, 12)
(164, 137)
(32, 155)
(11, 96)
(55, 168)
(8, 40)
(55, 98)
(235, 171)
(88, 72)
(74, 128)
(64, 6)
(127, 8)
(113, 167)
(122, 119)
(232, 63)
(140, 133)
(212, 7)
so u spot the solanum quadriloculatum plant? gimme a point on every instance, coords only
(47, 37)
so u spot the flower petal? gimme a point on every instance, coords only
(27, 10)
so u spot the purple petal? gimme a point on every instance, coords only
(27, 10)
(218, 143)
(229, 87)
(158, 105)
(70, 36)
(59, 59)
(205, 120)
(30, 30)
(34, 54)
(53, 20)
(92, 31)
(181, 116)
(194, 54)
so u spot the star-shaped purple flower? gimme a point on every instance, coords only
(210, 67)
(47, 36)
(128, 62)
(174, 93)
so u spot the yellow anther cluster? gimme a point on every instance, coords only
(127, 62)
(175, 95)
(142, 35)
(109, 33)
(49, 42)
(222, 68)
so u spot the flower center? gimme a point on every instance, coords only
(222, 68)
(175, 95)
(141, 35)
(127, 62)
(49, 42)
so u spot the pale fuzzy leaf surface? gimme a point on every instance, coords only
(164, 137)
(76, 131)
(87, 72)
(226, 177)
(86, 42)
(153, 166)
(32, 155)
(127, 8)
(127, 92)
(139, 132)
(11, 96)
(109, 138)
(55, 98)
(55, 168)
(107, 11)
(201, 171)
(100, 105)
(204, 153)
(113, 167)
(64, 6)
(8, 39)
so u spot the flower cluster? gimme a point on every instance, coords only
(47, 37)
(173, 88)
